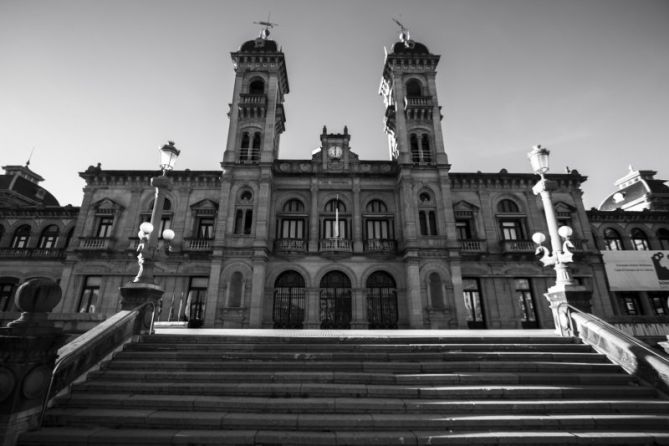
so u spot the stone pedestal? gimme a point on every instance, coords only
(575, 295)
(134, 294)
(28, 350)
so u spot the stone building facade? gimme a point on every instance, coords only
(330, 241)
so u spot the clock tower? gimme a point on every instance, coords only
(335, 150)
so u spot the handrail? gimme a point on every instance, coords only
(61, 361)
(634, 356)
(613, 328)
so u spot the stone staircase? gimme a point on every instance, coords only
(349, 390)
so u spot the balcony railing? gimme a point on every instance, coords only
(410, 102)
(255, 99)
(198, 244)
(472, 245)
(93, 243)
(335, 245)
(380, 246)
(290, 245)
(32, 253)
(518, 246)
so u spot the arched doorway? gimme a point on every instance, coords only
(335, 300)
(288, 309)
(381, 301)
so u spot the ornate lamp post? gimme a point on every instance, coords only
(143, 288)
(565, 289)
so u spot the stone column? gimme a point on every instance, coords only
(359, 305)
(28, 350)
(312, 301)
(414, 299)
(313, 218)
(257, 293)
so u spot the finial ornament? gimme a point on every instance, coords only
(264, 33)
(405, 36)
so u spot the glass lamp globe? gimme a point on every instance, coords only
(168, 235)
(146, 227)
(565, 231)
(538, 238)
(168, 156)
(539, 159)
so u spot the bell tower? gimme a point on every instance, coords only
(257, 117)
(413, 115)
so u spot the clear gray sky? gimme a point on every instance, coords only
(88, 81)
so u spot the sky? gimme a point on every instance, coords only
(111, 81)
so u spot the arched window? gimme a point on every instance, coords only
(427, 216)
(376, 206)
(49, 237)
(639, 240)
(663, 238)
(293, 205)
(381, 301)
(473, 303)
(335, 300)
(415, 150)
(288, 308)
(257, 87)
(426, 152)
(335, 220)
(612, 240)
(255, 147)
(413, 88)
(21, 237)
(507, 207)
(244, 148)
(236, 289)
(244, 213)
(335, 205)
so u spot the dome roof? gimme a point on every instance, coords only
(259, 45)
(410, 48)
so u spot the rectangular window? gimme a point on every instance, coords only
(528, 316)
(6, 294)
(463, 228)
(90, 295)
(243, 221)
(205, 228)
(630, 304)
(329, 229)
(105, 225)
(660, 303)
(378, 230)
(511, 230)
(196, 301)
(473, 303)
(292, 229)
(428, 222)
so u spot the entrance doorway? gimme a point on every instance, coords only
(381, 301)
(335, 301)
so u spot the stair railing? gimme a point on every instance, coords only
(78, 357)
(636, 357)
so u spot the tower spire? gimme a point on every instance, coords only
(264, 33)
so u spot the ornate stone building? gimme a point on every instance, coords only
(330, 240)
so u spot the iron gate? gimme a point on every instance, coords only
(288, 310)
(335, 301)
(381, 301)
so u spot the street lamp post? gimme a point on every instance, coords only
(565, 289)
(143, 288)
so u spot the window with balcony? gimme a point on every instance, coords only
(291, 223)
(257, 87)
(420, 146)
(249, 151)
(244, 213)
(413, 88)
(663, 238)
(427, 216)
(463, 228)
(104, 227)
(630, 304)
(205, 228)
(612, 240)
(473, 303)
(89, 300)
(528, 312)
(21, 237)
(379, 228)
(8, 286)
(639, 240)
(511, 224)
(49, 238)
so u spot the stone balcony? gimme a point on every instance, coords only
(379, 246)
(335, 245)
(518, 246)
(95, 243)
(473, 246)
(290, 245)
(198, 244)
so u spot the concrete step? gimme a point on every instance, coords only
(356, 405)
(367, 366)
(102, 436)
(483, 378)
(311, 390)
(366, 348)
(169, 419)
(362, 356)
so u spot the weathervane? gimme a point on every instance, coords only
(264, 33)
(405, 37)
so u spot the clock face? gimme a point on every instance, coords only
(335, 152)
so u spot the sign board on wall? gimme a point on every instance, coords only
(637, 270)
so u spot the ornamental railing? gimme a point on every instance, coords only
(335, 245)
(32, 253)
(198, 244)
(518, 246)
(94, 243)
(290, 245)
(380, 246)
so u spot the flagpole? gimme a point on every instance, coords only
(336, 228)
